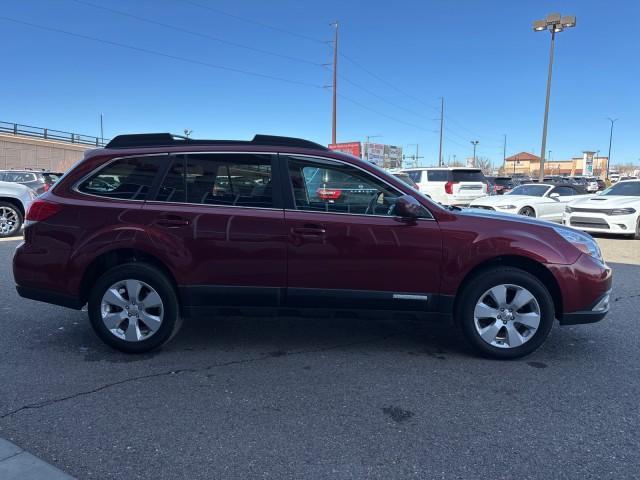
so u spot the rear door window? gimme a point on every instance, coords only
(438, 175)
(415, 175)
(467, 176)
(126, 178)
(239, 180)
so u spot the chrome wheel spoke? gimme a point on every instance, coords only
(514, 339)
(113, 297)
(152, 322)
(113, 320)
(133, 290)
(499, 294)
(483, 310)
(490, 332)
(152, 300)
(530, 320)
(522, 298)
(132, 333)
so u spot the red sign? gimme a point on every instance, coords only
(352, 148)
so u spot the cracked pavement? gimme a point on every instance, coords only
(292, 397)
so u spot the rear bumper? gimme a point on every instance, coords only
(48, 296)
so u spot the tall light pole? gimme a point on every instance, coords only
(101, 131)
(612, 120)
(474, 143)
(504, 155)
(555, 24)
(335, 83)
(441, 127)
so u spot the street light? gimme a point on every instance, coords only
(474, 143)
(555, 24)
(612, 120)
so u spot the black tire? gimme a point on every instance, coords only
(18, 216)
(637, 234)
(527, 212)
(171, 321)
(474, 289)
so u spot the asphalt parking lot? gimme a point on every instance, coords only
(334, 398)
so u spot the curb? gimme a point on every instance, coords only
(16, 464)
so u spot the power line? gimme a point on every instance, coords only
(254, 22)
(365, 107)
(198, 34)
(389, 84)
(161, 54)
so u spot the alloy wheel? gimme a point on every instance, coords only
(132, 310)
(9, 221)
(507, 316)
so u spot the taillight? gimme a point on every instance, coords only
(448, 187)
(40, 210)
(329, 193)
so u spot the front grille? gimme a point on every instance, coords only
(591, 210)
(588, 222)
(484, 207)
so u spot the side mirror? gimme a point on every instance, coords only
(555, 196)
(408, 207)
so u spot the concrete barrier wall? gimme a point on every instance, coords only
(20, 152)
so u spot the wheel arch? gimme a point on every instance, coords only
(15, 202)
(115, 257)
(523, 263)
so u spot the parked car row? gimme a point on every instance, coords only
(38, 180)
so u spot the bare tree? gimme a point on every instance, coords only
(484, 164)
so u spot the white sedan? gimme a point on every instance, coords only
(542, 200)
(616, 210)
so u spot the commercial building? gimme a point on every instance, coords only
(525, 163)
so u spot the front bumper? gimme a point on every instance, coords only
(600, 222)
(595, 314)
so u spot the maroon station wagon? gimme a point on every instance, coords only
(155, 228)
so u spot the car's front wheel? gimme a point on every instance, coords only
(10, 219)
(527, 212)
(505, 313)
(134, 308)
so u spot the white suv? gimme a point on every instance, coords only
(450, 185)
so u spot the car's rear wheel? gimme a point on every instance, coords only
(10, 219)
(527, 212)
(505, 313)
(134, 308)
(637, 234)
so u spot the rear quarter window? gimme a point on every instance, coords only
(126, 178)
(438, 175)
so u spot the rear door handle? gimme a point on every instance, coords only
(172, 221)
(309, 230)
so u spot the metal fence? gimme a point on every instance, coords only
(48, 134)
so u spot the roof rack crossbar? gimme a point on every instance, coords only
(140, 140)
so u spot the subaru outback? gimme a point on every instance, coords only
(155, 228)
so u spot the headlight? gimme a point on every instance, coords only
(506, 207)
(581, 241)
(568, 209)
(622, 211)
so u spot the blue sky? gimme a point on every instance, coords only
(481, 56)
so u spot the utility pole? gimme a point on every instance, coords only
(504, 154)
(335, 83)
(474, 143)
(101, 131)
(441, 126)
(612, 120)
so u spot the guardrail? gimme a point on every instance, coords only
(48, 134)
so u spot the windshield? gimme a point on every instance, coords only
(627, 189)
(530, 190)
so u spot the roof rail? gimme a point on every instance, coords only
(140, 140)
